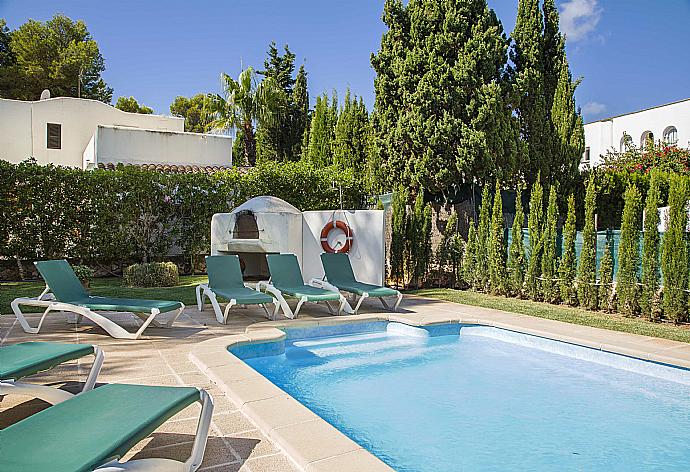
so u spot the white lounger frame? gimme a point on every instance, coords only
(50, 394)
(170, 465)
(343, 306)
(203, 291)
(47, 300)
(366, 295)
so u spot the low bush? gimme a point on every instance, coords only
(84, 274)
(152, 274)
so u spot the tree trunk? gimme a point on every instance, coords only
(249, 144)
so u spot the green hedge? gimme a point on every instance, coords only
(153, 274)
(130, 215)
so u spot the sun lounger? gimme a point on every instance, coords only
(225, 280)
(340, 274)
(68, 294)
(94, 430)
(286, 280)
(24, 359)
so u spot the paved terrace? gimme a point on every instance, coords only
(235, 443)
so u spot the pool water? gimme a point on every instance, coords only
(486, 399)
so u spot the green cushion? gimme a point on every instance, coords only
(224, 272)
(20, 360)
(133, 305)
(61, 279)
(339, 273)
(244, 295)
(90, 429)
(360, 288)
(313, 294)
(284, 270)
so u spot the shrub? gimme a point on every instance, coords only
(587, 270)
(628, 254)
(549, 238)
(497, 249)
(650, 251)
(674, 257)
(152, 274)
(83, 273)
(516, 252)
(568, 267)
(534, 223)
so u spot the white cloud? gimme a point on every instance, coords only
(579, 18)
(593, 108)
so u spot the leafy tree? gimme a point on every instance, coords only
(567, 270)
(650, 251)
(534, 226)
(483, 234)
(628, 253)
(243, 102)
(321, 134)
(398, 232)
(59, 55)
(674, 255)
(497, 249)
(469, 261)
(442, 113)
(549, 257)
(351, 135)
(587, 270)
(130, 104)
(516, 252)
(607, 296)
(195, 110)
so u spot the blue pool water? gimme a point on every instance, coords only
(476, 398)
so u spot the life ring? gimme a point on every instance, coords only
(330, 226)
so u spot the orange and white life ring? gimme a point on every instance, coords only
(341, 225)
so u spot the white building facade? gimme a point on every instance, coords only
(83, 133)
(668, 124)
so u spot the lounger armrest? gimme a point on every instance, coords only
(268, 288)
(322, 284)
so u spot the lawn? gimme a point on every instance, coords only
(578, 316)
(111, 287)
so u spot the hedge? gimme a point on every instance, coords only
(130, 215)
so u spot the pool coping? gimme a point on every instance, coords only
(316, 446)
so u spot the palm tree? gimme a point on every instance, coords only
(243, 103)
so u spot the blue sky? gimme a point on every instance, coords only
(629, 52)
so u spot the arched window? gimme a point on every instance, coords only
(671, 136)
(626, 141)
(646, 136)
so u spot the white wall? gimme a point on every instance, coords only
(602, 136)
(367, 253)
(143, 146)
(15, 130)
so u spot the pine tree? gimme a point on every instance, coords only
(606, 292)
(650, 251)
(469, 261)
(674, 255)
(587, 270)
(629, 253)
(534, 224)
(567, 269)
(398, 233)
(497, 249)
(483, 234)
(516, 253)
(549, 285)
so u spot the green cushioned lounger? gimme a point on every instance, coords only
(92, 431)
(64, 292)
(287, 280)
(339, 272)
(24, 359)
(225, 280)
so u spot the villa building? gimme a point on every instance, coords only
(82, 133)
(669, 123)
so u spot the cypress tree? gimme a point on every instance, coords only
(301, 114)
(320, 152)
(553, 50)
(483, 234)
(351, 134)
(628, 253)
(650, 251)
(469, 261)
(450, 250)
(568, 266)
(606, 292)
(427, 250)
(587, 270)
(674, 255)
(568, 128)
(516, 253)
(497, 249)
(398, 232)
(416, 239)
(548, 261)
(534, 224)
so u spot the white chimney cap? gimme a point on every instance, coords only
(45, 95)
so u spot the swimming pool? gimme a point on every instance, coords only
(460, 397)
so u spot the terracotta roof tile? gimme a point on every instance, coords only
(174, 168)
